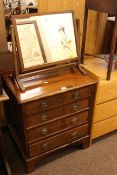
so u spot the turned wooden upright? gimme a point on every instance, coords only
(105, 6)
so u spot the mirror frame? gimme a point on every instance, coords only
(34, 68)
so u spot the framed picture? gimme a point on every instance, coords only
(44, 39)
(29, 44)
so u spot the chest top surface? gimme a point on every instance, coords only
(49, 84)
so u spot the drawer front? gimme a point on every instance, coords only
(57, 141)
(57, 126)
(56, 100)
(42, 117)
(43, 104)
(77, 94)
(77, 106)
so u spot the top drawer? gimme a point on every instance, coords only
(77, 94)
(43, 104)
(56, 100)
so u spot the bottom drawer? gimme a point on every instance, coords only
(104, 127)
(57, 141)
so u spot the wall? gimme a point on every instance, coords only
(96, 21)
(3, 42)
(95, 32)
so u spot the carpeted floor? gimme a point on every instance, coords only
(99, 159)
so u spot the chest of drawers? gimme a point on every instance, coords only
(50, 116)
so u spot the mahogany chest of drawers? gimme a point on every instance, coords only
(52, 115)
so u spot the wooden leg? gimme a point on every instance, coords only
(32, 164)
(85, 143)
(84, 35)
(113, 44)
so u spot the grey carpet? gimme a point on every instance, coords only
(99, 159)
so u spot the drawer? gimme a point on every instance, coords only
(57, 141)
(42, 117)
(57, 126)
(42, 104)
(77, 106)
(56, 100)
(100, 112)
(104, 127)
(77, 94)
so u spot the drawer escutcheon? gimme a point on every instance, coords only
(45, 146)
(74, 120)
(75, 135)
(76, 95)
(44, 104)
(45, 131)
(75, 107)
(44, 117)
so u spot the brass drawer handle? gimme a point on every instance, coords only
(75, 135)
(74, 120)
(45, 146)
(75, 107)
(44, 117)
(45, 104)
(76, 95)
(45, 131)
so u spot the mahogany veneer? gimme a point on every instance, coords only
(54, 113)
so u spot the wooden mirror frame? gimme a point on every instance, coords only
(20, 72)
(41, 14)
